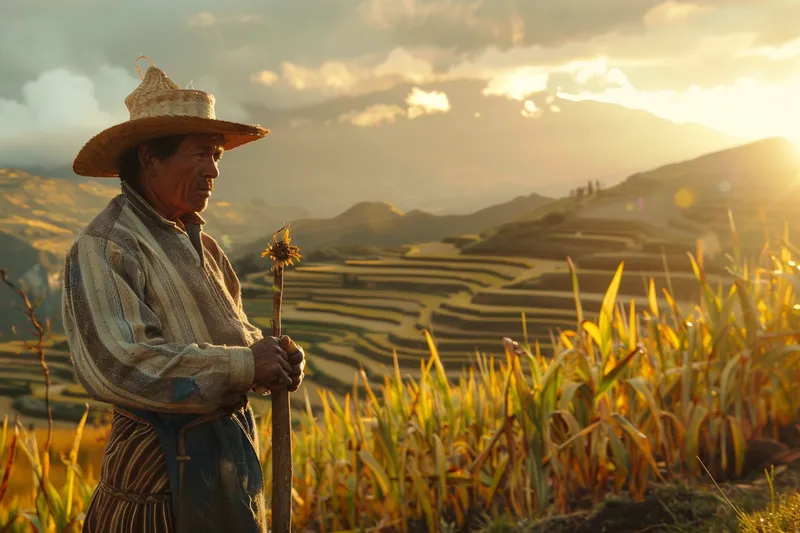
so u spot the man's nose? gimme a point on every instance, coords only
(211, 170)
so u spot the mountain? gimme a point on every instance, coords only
(747, 180)
(381, 224)
(62, 172)
(755, 183)
(481, 152)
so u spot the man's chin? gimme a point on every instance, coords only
(200, 206)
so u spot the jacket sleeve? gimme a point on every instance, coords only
(118, 350)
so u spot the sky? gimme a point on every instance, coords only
(67, 65)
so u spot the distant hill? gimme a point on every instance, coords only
(46, 212)
(38, 272)
(382, 224)
(756, 182)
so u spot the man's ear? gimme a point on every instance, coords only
(145, 158)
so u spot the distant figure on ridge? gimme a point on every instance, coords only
(153, 314)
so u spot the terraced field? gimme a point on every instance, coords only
(363, 313)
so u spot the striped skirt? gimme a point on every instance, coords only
(133, 494)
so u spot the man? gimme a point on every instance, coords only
(153, 314)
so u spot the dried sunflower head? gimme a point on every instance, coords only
(282, 252)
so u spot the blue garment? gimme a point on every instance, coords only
(214, 469)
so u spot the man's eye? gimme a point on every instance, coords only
(215, 155)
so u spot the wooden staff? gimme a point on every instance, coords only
(282, 254)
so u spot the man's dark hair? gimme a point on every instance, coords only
(162, 148)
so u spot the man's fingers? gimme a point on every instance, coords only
(296, 358)
(284, 364)
(296, 370)
(284, 355)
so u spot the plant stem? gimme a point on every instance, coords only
(281, 429)
(41, 332)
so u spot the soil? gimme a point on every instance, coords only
(670, 508)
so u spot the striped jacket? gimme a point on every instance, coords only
(153, 313)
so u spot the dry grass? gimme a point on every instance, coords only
(780, 515)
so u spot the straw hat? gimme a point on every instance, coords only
(158, 108)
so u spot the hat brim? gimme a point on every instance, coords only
(99, 157)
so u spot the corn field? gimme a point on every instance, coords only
(632, 396)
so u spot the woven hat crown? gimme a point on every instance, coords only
(157, 95)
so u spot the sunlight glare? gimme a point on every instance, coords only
(748, 109)
(518, 84)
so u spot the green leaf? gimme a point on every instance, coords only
(611, 376)
(607, 310)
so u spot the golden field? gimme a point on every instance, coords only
(636, 399)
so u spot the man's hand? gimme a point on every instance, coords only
(296, 357)
(272, 364)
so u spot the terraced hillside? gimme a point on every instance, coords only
(361, 313)
(756, 183)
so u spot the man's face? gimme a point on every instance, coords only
(184, 181)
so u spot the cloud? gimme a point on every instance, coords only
(531, 110)
(426, 103)
(189, 39)
(275, 55)
(782, 52)
(374, 115)
(419, 103)
(672, 12)
(356, 76)
(401, 67)
(415, 39)
(58, 112)
(518, 83)
(331, 76)
(265, 77)
(467, 26)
